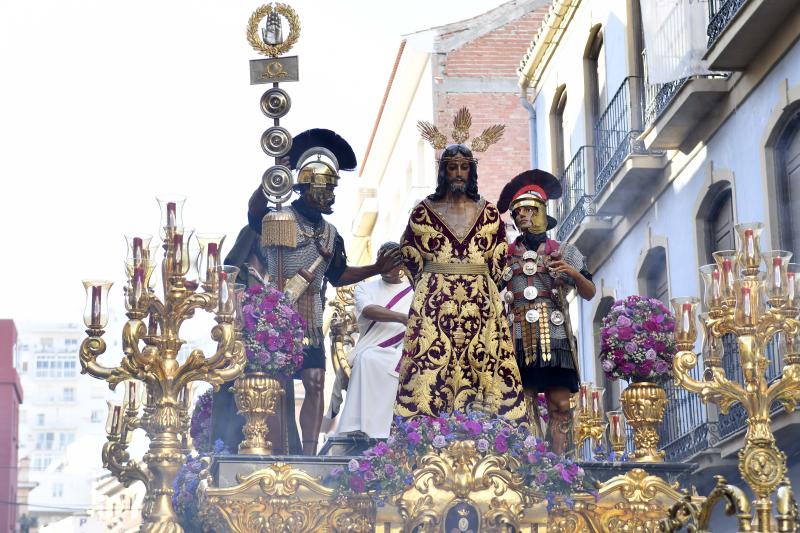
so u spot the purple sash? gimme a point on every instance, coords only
(397, 297)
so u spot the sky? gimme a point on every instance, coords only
(105, 105)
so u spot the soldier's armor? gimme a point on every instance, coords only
(311, 238)
(537, 323)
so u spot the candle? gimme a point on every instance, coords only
(686, 317)
(616, 429)
(212, 259)
(224, 296)
(715, 292)
(583, 401)
(138, 283)
(749, 243)
(131, 399)
(137, 250)
(177, 244)
(776, 274)
(114, 422)
(595, 402)
(96, 292)
(747, 308)
(790, 280)
(170, 214)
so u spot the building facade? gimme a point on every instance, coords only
(471, 63)
(61, 424)
(10, 400)
(656, 175)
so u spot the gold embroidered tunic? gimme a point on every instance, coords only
(457, 343)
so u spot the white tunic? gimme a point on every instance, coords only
(369, 403)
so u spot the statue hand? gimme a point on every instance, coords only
(389, 260)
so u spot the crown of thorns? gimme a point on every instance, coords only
(461, 124)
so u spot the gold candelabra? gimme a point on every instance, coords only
(150, 345)
(588, 418)
(753, 306)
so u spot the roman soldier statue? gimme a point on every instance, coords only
(538, 277)
(311, 252)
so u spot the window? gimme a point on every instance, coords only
(41, 462)
(65, 439)
(56, 366)
(47, 344)
(787, 152)
(558, 138)
(595, 75)
(44, 441)
(653, 279)
(70, 344)
(40, 419)
(719, 225)
(97, 416)
(68, 394)
(58, 490)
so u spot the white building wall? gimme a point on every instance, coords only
(67, 405)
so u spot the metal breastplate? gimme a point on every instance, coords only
(301, 256)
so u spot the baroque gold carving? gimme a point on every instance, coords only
(644, 405)
(257, 396)
(282, 499)
(459, 473)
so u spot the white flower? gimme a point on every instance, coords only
(352, 465)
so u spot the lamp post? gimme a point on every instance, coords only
(149, 368)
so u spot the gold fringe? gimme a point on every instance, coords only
(279, 228)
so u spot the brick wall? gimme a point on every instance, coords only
(10, 398)
(493, 60)
(498, 53)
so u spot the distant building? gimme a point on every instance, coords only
(656, 175)
(469, 63)
(118, 508)
(62, 407)
(10, 399)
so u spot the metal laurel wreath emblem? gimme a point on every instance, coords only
(281, 48)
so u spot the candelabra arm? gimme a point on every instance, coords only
(91, 348)
(736, 503)
(786, 389)
(186, 306)
(117, 460)
(718, 389)
(137, 360)
(226, 364)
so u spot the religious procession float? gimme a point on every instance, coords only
(490, 421)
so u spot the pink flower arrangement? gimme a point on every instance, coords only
(272, 332)
(637, 342)
(386, 468)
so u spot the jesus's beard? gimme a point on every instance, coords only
(458, 188)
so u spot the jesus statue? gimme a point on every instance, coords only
(457, 352)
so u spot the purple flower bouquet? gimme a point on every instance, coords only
(200, 428)
(386, 469)
(272, 332)
(637, 342)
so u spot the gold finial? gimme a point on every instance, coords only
(461, 124)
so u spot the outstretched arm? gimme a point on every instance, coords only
(389, 260)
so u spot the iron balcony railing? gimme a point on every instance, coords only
(720, 14)
(618, 129)
(684, 431)
(658, 97)
(574, 200)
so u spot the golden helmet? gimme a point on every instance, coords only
(317, 166)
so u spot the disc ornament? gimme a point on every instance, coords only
(762, 466)
(278, 49)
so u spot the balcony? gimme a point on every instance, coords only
(739, 29)
(673, 110)
(627, 173)
(576, 204)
